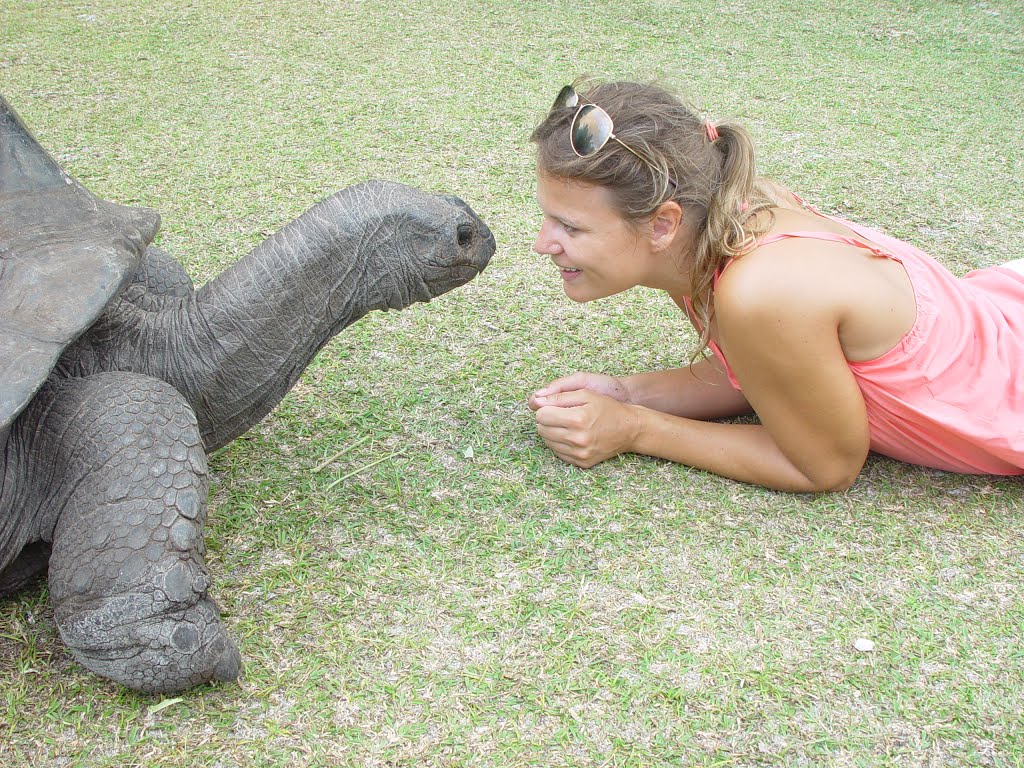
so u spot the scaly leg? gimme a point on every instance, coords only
(127, 476)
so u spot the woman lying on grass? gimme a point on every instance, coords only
(839, 338)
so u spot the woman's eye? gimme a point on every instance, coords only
(569, 229)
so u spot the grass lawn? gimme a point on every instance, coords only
(469, 600)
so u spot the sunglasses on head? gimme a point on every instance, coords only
(591, 128)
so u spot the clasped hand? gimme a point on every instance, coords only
(585, 418)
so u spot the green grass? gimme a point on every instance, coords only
(494, 607)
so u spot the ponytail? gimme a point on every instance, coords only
(726, 233)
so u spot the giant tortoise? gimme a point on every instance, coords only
(117, 377)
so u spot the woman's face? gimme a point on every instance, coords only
(596, 251)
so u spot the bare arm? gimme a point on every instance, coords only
(698, 391)
(585, 429)
(778, 323)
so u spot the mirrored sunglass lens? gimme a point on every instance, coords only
(590, 130)
(567, 97)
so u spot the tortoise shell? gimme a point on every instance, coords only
(64, 255)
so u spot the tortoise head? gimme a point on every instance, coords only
(422, 244)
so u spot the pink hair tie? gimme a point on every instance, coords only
(711, 130)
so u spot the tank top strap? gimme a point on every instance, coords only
(807, 205)
(831, 237)
(686, 304)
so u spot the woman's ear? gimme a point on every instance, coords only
(666, 223)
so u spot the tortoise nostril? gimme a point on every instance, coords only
(464, 233)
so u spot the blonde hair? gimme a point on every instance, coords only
(715, 181)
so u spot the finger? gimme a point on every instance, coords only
(569, 457)
(557, 436)
(555, 416)
(564, 384)
(569, 399)
(564, 453)
(534, 402)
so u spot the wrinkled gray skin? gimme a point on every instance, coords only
(116, 378)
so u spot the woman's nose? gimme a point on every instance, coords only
(545, 244)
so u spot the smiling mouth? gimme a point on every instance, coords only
(569, 269)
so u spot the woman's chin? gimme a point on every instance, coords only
(577, 294)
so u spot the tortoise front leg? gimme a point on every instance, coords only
(127, 575)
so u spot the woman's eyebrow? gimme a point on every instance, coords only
(561, 218)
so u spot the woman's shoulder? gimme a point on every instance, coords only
(789, 270)
(812, 272)
(769, 280)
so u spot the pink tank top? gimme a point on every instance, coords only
(947, 395)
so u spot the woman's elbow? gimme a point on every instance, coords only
(838, 476)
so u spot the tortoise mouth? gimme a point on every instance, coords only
(447, 279)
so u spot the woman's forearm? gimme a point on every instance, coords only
(700, 391)
(744, 452)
